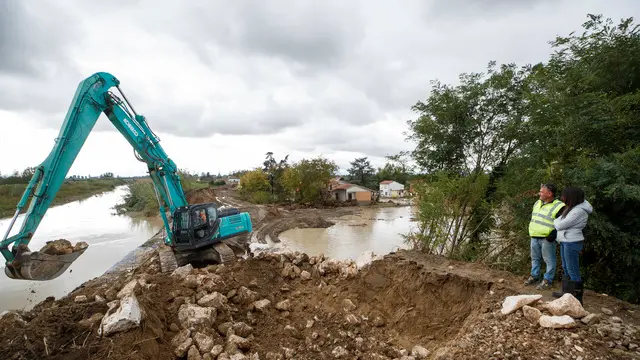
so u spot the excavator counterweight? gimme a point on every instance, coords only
(197, 231)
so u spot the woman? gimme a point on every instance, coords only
(569, 225)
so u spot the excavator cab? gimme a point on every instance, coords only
(200, 225)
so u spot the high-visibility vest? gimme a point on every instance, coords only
(542, 216)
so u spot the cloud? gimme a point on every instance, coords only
(333, 77)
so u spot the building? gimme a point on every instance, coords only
(390, 188)
(350, 192)
(232, 180)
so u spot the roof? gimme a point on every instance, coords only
(348, 186)
(386, 182)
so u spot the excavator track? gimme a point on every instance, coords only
(226, 253)
(168, 261)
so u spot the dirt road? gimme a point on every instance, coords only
(406, 305)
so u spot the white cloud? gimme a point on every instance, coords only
(224, 82)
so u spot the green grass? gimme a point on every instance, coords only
(69, 191)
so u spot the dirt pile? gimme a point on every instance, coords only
(292, 306)
(199, 196)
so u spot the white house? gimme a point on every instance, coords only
(390, 188)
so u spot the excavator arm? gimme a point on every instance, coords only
(92, 97)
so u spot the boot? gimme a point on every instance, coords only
(565, 287)
(578, 290)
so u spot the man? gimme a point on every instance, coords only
(542, 233)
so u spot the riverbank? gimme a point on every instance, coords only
(72, 190)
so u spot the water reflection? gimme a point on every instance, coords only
(110, 238)
(374, 230)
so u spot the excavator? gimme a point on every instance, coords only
(196, 232)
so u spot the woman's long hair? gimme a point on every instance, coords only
(571, 196)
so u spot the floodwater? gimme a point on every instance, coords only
(374, 231)
(110, 237)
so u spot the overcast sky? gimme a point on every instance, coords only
(223, 82)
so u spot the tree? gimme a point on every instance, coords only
(397, 168)
(361, 172)
(274, 170)
(255, 186)
(308, 179)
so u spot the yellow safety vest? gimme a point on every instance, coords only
(542, 217)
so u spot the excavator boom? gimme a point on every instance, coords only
(92, 98)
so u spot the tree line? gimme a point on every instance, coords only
(24, 176)
(307, 180)
(488, 143)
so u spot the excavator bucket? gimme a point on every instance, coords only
(39, 266)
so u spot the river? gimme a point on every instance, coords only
(374, 230)
(110, 237)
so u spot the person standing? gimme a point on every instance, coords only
(542, 234)
(569, 226)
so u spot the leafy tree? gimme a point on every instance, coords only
(255, 186)
(274, 170)
(308, 179)
(361, 172)
(396, 168)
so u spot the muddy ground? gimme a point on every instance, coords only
(290, 306)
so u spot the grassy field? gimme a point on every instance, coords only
(69, 191)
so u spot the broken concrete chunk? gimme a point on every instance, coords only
(214, 299)
(216, 350)
(126, 317)
(283, 305)
(80, 298)
(557, 322)
(130, 288)
(348, 305)
(193, 353)
(339, 352)
(239, 342)
(592, 318)
(57, 247)
(567, 304)
(242, 329)
(182, 271)
(513, 303)
(191, 315)
(305, 275)
(244, 296)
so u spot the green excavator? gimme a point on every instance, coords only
(194, 232)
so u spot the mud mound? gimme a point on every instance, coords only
(276, 226)
(295, 306)
(198, 196)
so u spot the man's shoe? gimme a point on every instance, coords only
(544, 285)
(566, 288)
(530, 281)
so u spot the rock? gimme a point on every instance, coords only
(591, 319)
(182, 342)
(245, 296)
(633, 346)
(94, 319)
(99, 299)
(215, 300)
(126, 317)
(513, 303)
(130, 288)
(224, 356)
(378, 321)
(305, 275)
(567, 304)
(204, 342)
(191, 281)
(174, 327)
(239, 342)
(339, 352)
(530, 313)
(284, 305)
(242, 329)
(348, 305)
(615, 319)
(238, 356)
(182, 271)
(57, 247)
(223, 328)
(79, 246)
(80, 298)
(216, 350)
(606, 311)
(261, 305)
(419, 352)
(288, 353)
(309, 324)
(207, 356)
(274, 356)
(193, 353)
(192, 315)
(352, 319)
(557, 322)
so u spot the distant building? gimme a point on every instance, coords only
(390, 188)
(232, 180)
(349, 192)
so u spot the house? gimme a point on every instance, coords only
(232, 180)
(390, 188)
(349, 192)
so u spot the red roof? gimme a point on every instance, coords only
(386, 182)
(347, 186)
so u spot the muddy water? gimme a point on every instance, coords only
(372, 230)
(110, 238)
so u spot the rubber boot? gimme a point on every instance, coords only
(566, 288)
(578, 290)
